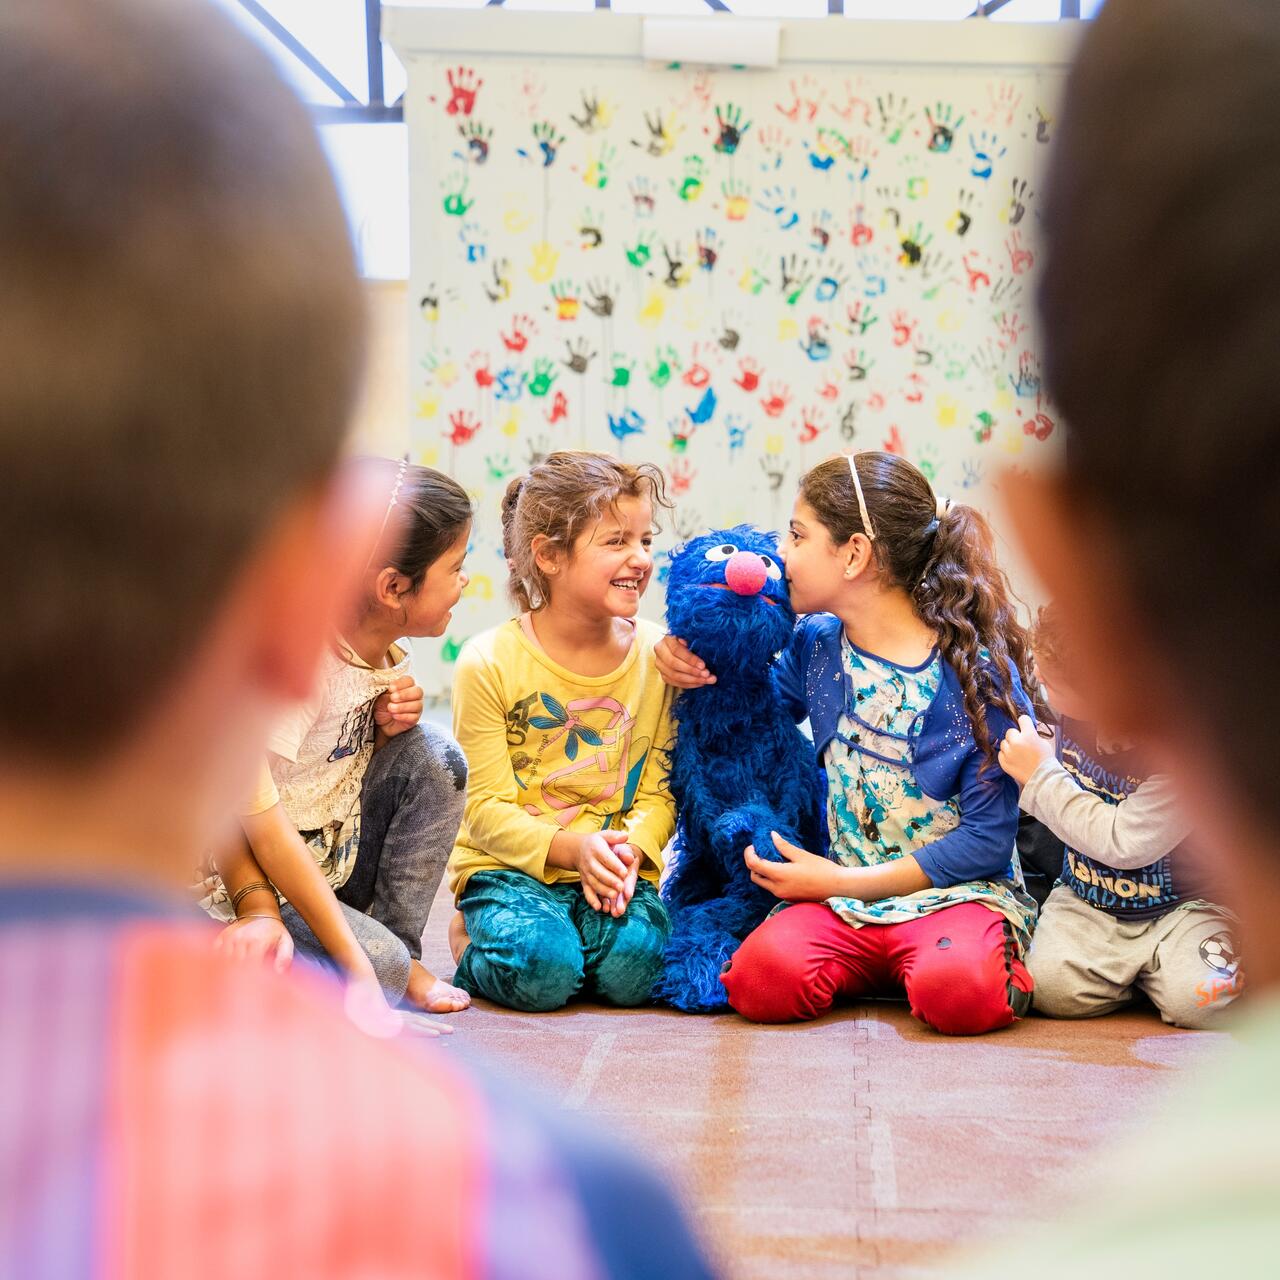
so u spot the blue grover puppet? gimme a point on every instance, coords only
(740, 768)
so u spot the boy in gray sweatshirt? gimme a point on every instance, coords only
(1128, 910)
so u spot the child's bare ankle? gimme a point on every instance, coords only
(459, 939)
(433, 995)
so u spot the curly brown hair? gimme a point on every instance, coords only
(558, 498)
(947, 565)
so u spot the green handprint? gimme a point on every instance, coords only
(597, 173)
(690, 187)
(456, 203)
(622, 370)
(642, 251)
(548, 140)
(663, 366)
(544, 375)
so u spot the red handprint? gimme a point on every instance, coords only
(775, 402)
(904, 328)
(480, 369)
(894, 442)
(518, 338)
(828, 390)
(697, 374)
(680, 476)
(861, 232)
(1020, 259)
(916, 394)
(977, 277)
(559, 408)
(1041, 426)
(463, 426)
(463, 87)
(813, 423)
(748, 375)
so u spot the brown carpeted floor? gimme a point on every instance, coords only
(860, 1145)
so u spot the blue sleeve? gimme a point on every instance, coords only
(788, 673)
(981, 847)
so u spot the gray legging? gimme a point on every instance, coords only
(410, 808)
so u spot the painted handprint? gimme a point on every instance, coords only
(894, 113)
(578, 355)
(731, 128)
(813, 422)
(462, 427)
(661, 135)
(987, 149)
(749, 374)
(943, 123)
(622, 369)
(596, 173)
(904, 328)
(1021, 259)
(697, 374)
(664, 364)
(463, 87)
(627, 423)
(544, 375)
(567, 301)
(498, 289)
(559, 408)
(782, 204)
(455, 202)
(796, 276)
(544, 258)
(593, 114)
(522, 326)
(601, 296)
(680, 475)
(476, 138)
(708, 248)
(776, 400)
(816, 343)
(689, 188)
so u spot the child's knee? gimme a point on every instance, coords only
(537, 973)
(442, 753)
(627, 974)
(764, 980)
(960, 998)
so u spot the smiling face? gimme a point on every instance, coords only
(726, 599)
(611, 562)
(814, 564)
(429, 607)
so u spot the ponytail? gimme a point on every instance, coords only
(965, 597)
(943, 554)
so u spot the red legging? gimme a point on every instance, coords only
(958, 966)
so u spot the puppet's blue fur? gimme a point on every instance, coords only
(739, 769)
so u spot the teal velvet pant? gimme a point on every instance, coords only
(534, 945)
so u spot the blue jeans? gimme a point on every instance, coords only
(534, 945)
(410, 807)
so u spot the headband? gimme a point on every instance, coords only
(862, 502)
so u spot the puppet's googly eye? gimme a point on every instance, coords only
(722, 552)
(771, 568)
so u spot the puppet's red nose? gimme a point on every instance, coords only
(744, 572)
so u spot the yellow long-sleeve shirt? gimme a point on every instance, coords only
(551, 750)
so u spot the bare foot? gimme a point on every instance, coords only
(432, 994)
(459, 939)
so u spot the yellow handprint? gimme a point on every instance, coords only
(545, 258)
(655, 307)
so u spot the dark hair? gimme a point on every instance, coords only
(182, 329)
(947, 564)
(559, 498)
(1160, 302)
(431, 513)
(1050, 642)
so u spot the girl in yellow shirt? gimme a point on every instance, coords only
(565, 722)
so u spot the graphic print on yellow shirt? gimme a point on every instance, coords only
(550, 750)
(584, 756)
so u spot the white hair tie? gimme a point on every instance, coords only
(862, 502)
(944, 505)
